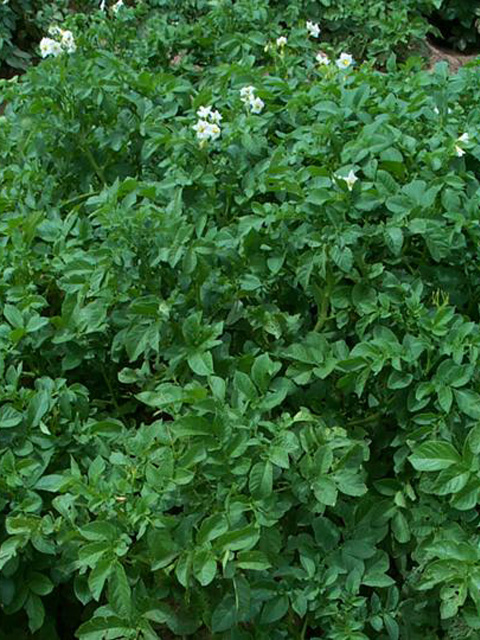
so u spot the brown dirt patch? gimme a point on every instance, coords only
(454, 59)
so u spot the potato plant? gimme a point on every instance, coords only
(239, 335)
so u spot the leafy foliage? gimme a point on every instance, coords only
(239, 394)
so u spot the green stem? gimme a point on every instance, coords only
(323, 312)
(97, 168)
(79, 198)
(304, 629)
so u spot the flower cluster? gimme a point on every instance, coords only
(281, 41)
(208, 125)
(247, 96)
(343, 62)
(313, 29)
(61, 41)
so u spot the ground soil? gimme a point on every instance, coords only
(455, 60)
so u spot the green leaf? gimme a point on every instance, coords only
(244, 385)
(119, 591)
(204, 566)
(99, 574)
(400, 528)
(9, 417)
(35, 611)
(473, 440)
(274, 609)
(54, 483)
(262, 371)
(253, 560)
(212, 527)
(434, 456)
(40, 584)
(201, 363)
(13, 315)
(261, 480)
(98, 627)
(245, 538)
(325, 491)
(468, 402)
(224, 616)
(377, 580)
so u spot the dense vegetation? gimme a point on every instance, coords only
(240, 329)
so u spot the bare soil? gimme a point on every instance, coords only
(454, 59)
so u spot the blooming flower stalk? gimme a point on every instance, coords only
(208, 125)
(247, 94)
(50, 47)
(248, 97)
(62, 41)
(344, 61)
(313, 29)
(281, 42)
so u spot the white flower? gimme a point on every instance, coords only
(281, 41)
(202, 129)
(214, 131)
(350, 179)
(344, 61)
(204, 112)
(206, 130)
(256, 105)
(313, 29)
(117, 6)
(247, 94)
(68, 42)
(102, 5)
(464, 138)
(216, 117)
(322, 58)
(459, 151)
(49, 47)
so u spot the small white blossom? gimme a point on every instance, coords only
(102, 5)
(117, 6)
(322, 58)
(216, 117)
(313, 29)
(350, 179)
(344, 61)
(49, 47)
(281, 41)
(68, 41)
(459, 151)
(202, 129)
(464, 138)
(204, 112)
(214, 131)
(247, 94)
(256, 105)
